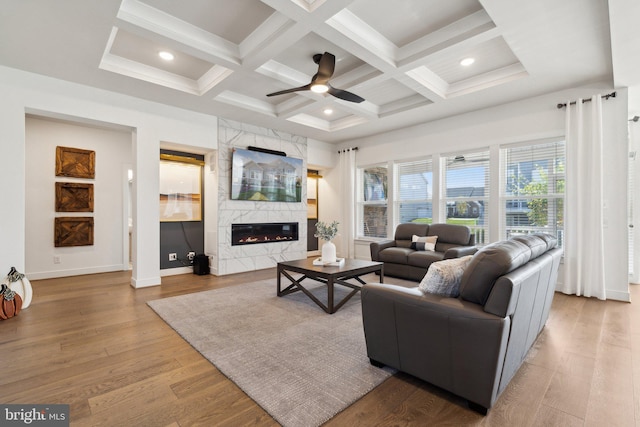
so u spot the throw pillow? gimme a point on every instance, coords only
(443, 277)
(424, 243)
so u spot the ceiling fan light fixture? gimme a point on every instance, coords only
(467, 61)
(320, 81)
(319, 88)
(167, 56)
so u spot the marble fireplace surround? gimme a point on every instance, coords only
(230, 258)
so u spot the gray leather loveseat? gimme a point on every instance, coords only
(471, 345)
(400, 260)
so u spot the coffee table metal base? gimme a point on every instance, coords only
(330, 276)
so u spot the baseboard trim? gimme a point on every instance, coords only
(175, 271)
(75, 272)
(145, 283)
(618, 295)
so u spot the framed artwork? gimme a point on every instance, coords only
(74, 197)
(75, 162)
(180, 191)
(312, 197)
(73, 231)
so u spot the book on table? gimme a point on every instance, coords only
(339, 262)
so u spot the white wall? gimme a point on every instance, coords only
(527, 120)
(151, 123)
(323, 157)
(112, 154)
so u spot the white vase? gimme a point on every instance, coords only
(328, 252)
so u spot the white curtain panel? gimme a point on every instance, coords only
(347, 197)
(634, 200)
(584, 231)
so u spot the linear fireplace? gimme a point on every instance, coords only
(270, 232)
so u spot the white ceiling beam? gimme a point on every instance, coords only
(156, 21)
(363, 34)
(246, 102)
(487, 80)
(453, 34)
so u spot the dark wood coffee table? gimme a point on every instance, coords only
(351, 269)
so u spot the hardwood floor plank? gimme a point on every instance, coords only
(548, 416)
(568, 393)
(519, 402)
(611, 400)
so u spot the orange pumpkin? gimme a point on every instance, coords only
(10, 303)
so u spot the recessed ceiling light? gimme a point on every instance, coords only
(467, 61)
(167, 56)
(328, 111)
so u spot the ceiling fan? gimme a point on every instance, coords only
(462, 159)
(320, 81)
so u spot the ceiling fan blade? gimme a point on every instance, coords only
(345, 95)
(326, 66)
(295, 89)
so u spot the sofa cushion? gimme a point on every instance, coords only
(405, 231)
(535, 243)
(444, 247)
(489, 263)
(551, 241)
(423, 243)
(395, 255)
(450, 233)
(443, 277)
(424, 258)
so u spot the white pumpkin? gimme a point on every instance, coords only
(23, 288)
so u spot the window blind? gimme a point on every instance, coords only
(532, 188)
(466, 192)
(413, 201)
(372, 202)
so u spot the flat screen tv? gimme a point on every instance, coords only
(266, 177)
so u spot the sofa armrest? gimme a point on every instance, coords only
(377, 295)
(376, 247)
(460, 251)
(448, 342)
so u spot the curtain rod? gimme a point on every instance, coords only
(347, 149)
(607, 96)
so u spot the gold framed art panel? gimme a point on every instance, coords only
(74, 197)
(73, 231)
(75, 162)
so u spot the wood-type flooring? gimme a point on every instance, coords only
(93, 343)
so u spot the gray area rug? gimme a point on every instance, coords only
(301, 365)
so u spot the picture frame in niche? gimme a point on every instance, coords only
(75, 162)
(73, 231)
(180, 191)
(74, 197)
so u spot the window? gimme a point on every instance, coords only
(414, 192)
(372, 201)
(533, 189)
(465, 195)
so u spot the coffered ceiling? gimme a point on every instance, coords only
(402, 56)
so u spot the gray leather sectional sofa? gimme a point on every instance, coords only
(400, 260)
(471, 345)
